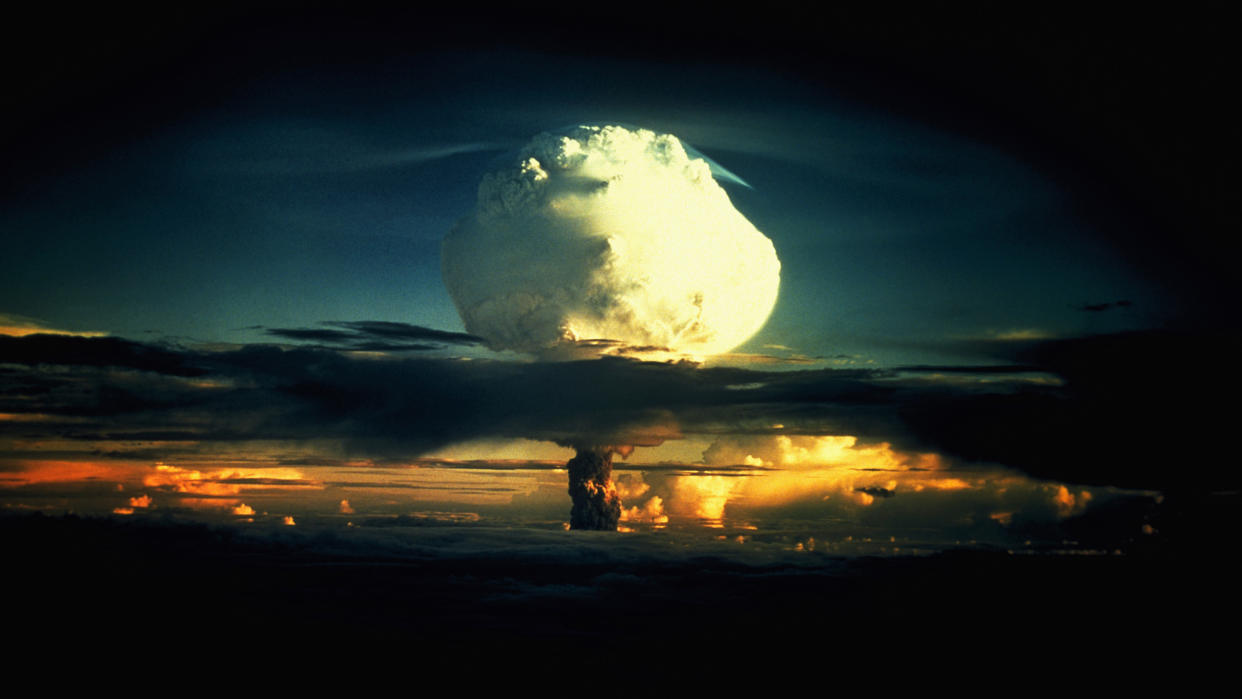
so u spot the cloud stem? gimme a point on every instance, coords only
(596, 502)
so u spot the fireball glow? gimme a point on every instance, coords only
(609, 240)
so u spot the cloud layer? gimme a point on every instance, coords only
(1125, 410)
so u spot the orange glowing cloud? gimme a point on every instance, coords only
(142, 501)
(24, 417)
(1069, 504)
(188, 481)
(798, 451)
(32, 472)
(704, 497)
(802, 467)
(209, 503)
(21, 326)
(223, 482)
(346, 508)
(942, 484)
(243, 510)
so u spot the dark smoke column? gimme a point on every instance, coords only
(596, 503)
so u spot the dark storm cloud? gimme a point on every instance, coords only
(405, 406)
(405, 331)
(1127, 409)
(1135, 409)
(375, 336)
(312, 334)
(93, 351)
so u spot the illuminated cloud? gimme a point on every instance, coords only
(243, 510)
(288, 521)
(803, 468)
(61, 471)
(21, 326)
(184, 480)
(346, 508)
(631, 486)
(651, 511)
(942, 484)
(223, 482)
(1069, 504)
(792, 451)
(703, 497)
(142, 501)
(607, 240)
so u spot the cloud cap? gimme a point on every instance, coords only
(607, 233)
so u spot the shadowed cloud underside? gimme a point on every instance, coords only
(1082, 427)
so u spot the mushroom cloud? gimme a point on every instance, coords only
(608, 240)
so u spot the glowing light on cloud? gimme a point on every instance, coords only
(188, 481)
(652, 511)
(812, 450)
(21, 326)
(704, 497)
(606, 240)
(223, 482)
(806, 467)
(48, 471)
(243, 510)
(1069, 504)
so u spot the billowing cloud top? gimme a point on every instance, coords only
(609, 239)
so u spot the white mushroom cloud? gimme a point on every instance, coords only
(606, 239)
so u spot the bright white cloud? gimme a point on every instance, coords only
(607, 233)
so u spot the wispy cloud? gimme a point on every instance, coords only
(375, 336)
(301, 148)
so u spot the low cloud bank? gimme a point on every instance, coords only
(1132, 410)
